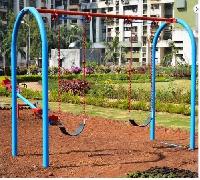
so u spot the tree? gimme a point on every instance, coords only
(7, 37)
(174, 52)
(167, 59)
(112, 50)
(2, 31)
(68, 34)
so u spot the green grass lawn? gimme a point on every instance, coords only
(182, 84)
(162, 119)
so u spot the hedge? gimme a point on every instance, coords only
(116, 78)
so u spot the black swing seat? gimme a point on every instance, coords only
(133, 122)
(54, 121)
(77, 131)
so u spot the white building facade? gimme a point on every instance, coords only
(100, 31)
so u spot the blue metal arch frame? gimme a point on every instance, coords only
(193, 81)
(45, 125)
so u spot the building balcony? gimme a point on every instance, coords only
(161, 1)
(154, 11)
(134, 55)
(73, 7)
(92, 5)
(130, 12)
(128, 33)
(125, 2)
(144, 1)
(163, 43)
(144, 12)
(126, 43)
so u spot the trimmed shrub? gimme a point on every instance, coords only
(163, 172)
(28, 78)
(4, 92)
(22, 71)
(76, 87)
(29, 94)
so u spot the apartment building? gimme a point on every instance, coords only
(101, 30)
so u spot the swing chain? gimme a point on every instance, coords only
(87, 18)
(129, 21)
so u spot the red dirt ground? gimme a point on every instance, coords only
(106, 148)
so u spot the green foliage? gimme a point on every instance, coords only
(28, 78)
(181, 71)
(33, 70)
(109, 90)
(35, 46)
(112, 51)
(163, 172)
(76, 87)
(7, 36)
(105, 102)
(21, 71)
(4, 92)
(65, 97)
(29, 94)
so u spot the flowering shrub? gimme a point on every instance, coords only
(75, 70)
(76, 87)
(33, 70)
(89, 70)
(53, 70)
(103, 69)
(66, 72)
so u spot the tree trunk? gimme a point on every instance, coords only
(4, 63)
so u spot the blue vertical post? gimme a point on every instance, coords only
(45, 125)
(193, 81)
(153, 81)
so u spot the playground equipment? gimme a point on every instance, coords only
(81, 126)
(7, 106)
(36, 14)
(53, 119)
(132, 121)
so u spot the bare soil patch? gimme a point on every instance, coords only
(106, 148)
(35, 86)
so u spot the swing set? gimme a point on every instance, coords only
(56, 120)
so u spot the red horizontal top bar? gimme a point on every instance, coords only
(103, 15)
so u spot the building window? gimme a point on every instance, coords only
(74, 21)
(134, 8)
(74, 2)
(155, 6)
(110, 9)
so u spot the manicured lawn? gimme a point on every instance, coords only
(162, 118)
(182, 84)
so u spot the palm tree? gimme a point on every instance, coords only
(68, 34)
(112, 50)
(7, 37)
(174, 51)
(2, 31)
